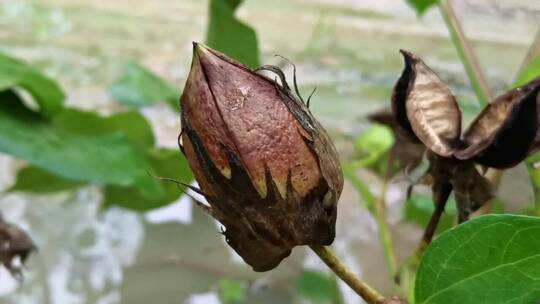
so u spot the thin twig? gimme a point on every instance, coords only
(370, 295)
(466, 54)
(376, 206)
(533, 52)
(380, 216)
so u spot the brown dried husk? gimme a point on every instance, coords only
(426, 108)
(502, 135)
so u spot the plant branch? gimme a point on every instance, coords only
(533, 52)
(376, 206)
(466, 54)
(367, 293)
(380, 216)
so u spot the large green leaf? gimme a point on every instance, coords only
(492, 259)
(227, 34)
(421, 6)
(45, 91)
(529, 73)
(165, 163)
(137, 86)
(132, 125)
(109, 159)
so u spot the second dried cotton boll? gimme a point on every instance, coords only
(501, 136)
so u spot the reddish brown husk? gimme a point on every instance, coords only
(14, 242)
(267, 168)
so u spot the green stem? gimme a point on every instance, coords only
(380, 215)
(365, 291)
(466, 54)
(369, 199)
(376, 206)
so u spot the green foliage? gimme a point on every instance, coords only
(106, 159)
(492, 259)
(232, 291)
(422, 6)
(137, 86)
(373, 144)
(419, 209)
(317, 288)
(164, 163)
(131, 124)
(36, 180)
(531, 72)
(46, 93)
(229, 35)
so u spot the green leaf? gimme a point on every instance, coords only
(419, 209)
(227, 34)
(421, 6)
(491, 259)
(36, 180)
(164, 163)
(232, 291)
(46, 92)
(138, 86)
(531, 72)
(317, 287)
(109, 159)
(132, 124)
(373, 144)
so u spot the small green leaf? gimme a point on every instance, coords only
(137, 87)
(421, 6)
(164, 163)
(36, 180)
(317, 288)
(232, 291)
(531, 72)
(419, 209)
(227, 34)
(373, 144)
(491, 259)
(45, 91)
(107, 159)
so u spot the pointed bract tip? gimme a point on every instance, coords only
(408, 56)
(199, 48)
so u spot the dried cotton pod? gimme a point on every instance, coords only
(425, 107)
(501, 136)
(267, 168)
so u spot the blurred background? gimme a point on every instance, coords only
(106, 244)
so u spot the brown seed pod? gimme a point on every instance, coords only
(265, 165)
(501, 136)
(426, 108)
(14, 242)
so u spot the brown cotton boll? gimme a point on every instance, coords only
(265, 165)
(425, 107)
(14, 242)
(502, 135)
